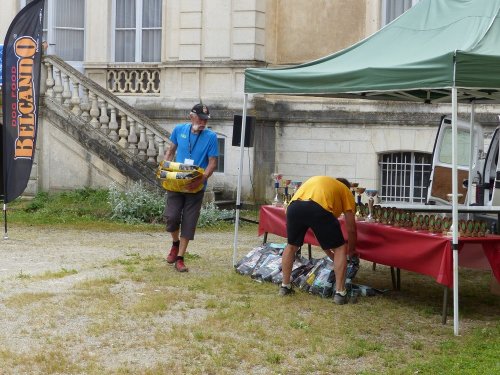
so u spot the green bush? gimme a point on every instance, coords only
(136, 205)
(141, 205)
(211, 215)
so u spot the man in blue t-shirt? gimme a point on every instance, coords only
(194, 144)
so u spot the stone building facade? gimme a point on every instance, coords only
(162, 56)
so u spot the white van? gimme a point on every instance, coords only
(484, 187)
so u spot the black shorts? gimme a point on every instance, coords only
(302, 215)
(182, 210)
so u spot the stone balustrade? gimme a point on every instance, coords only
(121, 123)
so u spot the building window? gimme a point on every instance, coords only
(69, 24)
(64, 28)
(392, 9)
(138, 30)
(220, 160)
(404, 176)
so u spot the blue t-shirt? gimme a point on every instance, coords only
(198, 147)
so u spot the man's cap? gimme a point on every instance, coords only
(201, 110)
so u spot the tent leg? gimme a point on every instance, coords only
(471, 152)
(240, 172)
(455, 289)
(454, 178)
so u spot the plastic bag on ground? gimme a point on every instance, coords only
(247, 264)
(352, 267)
(299, 267)
(325, 279)
(307, 281)
(254, 258)
(270, 267)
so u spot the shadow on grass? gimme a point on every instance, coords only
(423, 293)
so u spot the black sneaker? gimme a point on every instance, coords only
(340, 299)
(284, 291)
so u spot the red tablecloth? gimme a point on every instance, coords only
(416, 251)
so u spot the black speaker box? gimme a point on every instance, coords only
(249, 130)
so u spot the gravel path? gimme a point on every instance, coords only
(31, 252)
(34, 251)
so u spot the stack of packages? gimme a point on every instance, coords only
(176, 176)
(315, 276)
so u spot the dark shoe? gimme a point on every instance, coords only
(340, 299)
(284, 291)
(174, 250)
(180, 266)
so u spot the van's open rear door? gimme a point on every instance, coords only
(440, 184)
(490, 194)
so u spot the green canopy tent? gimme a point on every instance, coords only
(433, 47)
(436, 52)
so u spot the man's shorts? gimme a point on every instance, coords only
(182, 210)
(302, 215)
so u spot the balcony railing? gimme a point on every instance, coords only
(133, 80)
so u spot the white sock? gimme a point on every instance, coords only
(288, 286)
(343, 293)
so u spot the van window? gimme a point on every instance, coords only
(404, 176)
(463, 147)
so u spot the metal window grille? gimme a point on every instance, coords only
(404, 176)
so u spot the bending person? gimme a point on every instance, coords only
(317, 204)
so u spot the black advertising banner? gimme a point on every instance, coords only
(21, 63)
(1, 127)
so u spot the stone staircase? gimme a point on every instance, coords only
(105, 125)
(101, 122)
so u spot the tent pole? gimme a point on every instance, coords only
(454, 110)
(240, 173)
(471, 152)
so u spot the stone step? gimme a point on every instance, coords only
(225, 204)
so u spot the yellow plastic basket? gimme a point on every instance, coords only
(176, 176)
